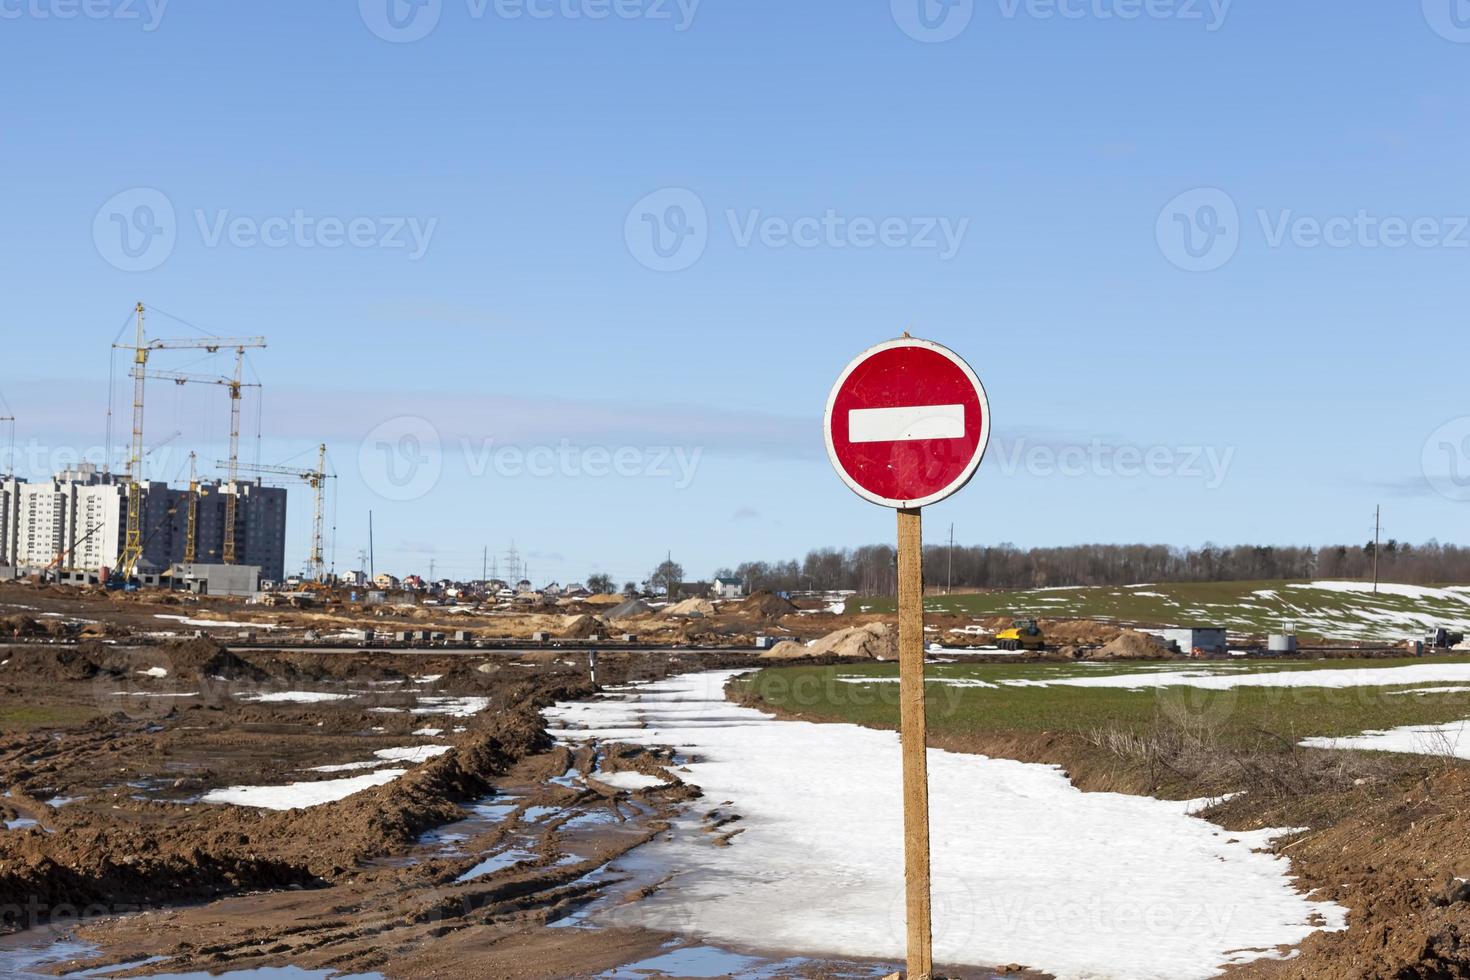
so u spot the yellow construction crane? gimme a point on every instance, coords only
(317, 480)
(142, 347)
(191, 538)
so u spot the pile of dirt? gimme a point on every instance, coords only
(876, 641)
(1133, 645)
(204, 658)
(1079, 632)
(632, 609)
(23, 627)
(695, 608)
(582, 627)
(604, 600)
(99, 631)
(59, 663)
(767, 605)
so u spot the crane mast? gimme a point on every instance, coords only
(191, 538)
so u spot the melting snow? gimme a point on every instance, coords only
(1442, 740)
(629, 780)
(300, 796)
(295, 697)
(1027, 868)
(1355, 677)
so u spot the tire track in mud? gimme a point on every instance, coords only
(456, 868)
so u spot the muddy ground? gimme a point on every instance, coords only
(481, 861)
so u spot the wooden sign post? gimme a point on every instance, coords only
(915, 724)
(907, 425)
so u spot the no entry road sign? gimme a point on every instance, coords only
(907, 423)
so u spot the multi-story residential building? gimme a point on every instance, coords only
(78, 521)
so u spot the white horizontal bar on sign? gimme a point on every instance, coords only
(906, 424)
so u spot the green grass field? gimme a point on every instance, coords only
(1252, 608)
(25, 718)
(1242, 715)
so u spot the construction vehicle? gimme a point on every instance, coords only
(1024, 635)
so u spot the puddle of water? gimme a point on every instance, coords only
(571, 779)
(496, 862)
(103, 971)
(535, 814)
(699, 962)
(22, 956)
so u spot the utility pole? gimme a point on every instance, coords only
(485, 565)
(949, 587)
(372, 559)
(1377, 536)
(432, 564)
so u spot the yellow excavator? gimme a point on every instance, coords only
(1024, 635)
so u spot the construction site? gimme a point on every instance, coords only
(226, 535)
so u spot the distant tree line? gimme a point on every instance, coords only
(871, 570)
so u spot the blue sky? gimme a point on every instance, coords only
(441, 239)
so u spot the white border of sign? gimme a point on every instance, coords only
(960, 481)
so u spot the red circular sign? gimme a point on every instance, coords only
(907, 423)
